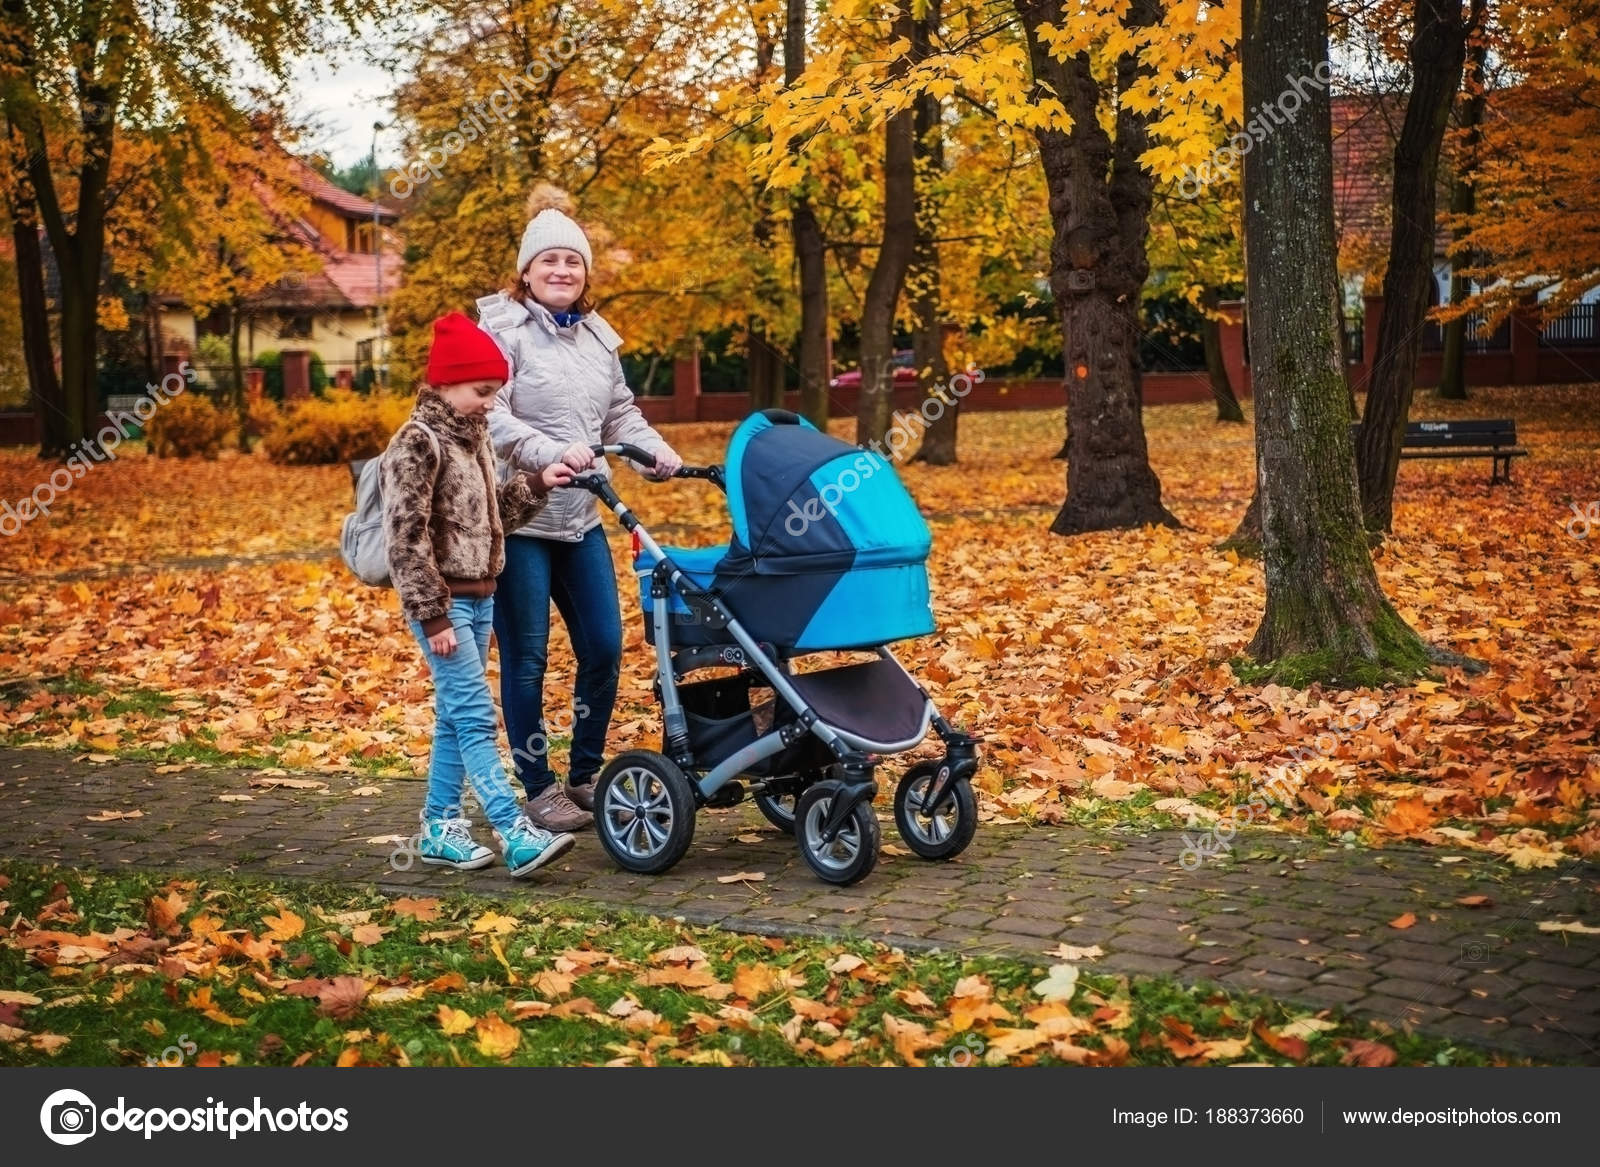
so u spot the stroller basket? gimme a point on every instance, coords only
(721, 721)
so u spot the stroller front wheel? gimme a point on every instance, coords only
(644, 811)
(940, 833)
(852, 853)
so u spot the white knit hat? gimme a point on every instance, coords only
(550, 229)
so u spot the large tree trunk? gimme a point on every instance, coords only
(933, 371)
(1326, 617)
(1463, 201)
(38, 354)
(1437, 50)
(875, 409)
(764, 365)
(1100, 201)
(808, 250)
(1216, 368)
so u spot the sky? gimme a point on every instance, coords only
(342, 96)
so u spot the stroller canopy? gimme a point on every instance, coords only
(828, 550)
(801, 501)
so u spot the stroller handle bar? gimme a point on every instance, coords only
(648, 461)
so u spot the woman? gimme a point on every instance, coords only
(566, 394)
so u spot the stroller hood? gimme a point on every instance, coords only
(802, 502)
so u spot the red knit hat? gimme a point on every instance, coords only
(462, 351)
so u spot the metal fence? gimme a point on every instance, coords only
(1577, 327)
(1497, 341)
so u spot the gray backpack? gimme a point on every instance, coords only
(363, 545)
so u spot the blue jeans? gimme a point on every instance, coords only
(580, 579)
(466, 737)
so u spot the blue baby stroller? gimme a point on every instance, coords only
(828, 554)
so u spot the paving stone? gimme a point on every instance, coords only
(1544, 1017)
(1028, 925)
(1421, 970)
(1537, 971)
(1422, 992)
(1138, 964)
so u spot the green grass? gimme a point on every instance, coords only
(239, 1006)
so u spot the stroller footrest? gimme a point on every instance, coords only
(875, 699)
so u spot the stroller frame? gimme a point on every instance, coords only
(827, 811)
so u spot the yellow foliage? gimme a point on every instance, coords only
(339, 428)
(186, 426)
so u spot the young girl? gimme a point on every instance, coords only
(566, 394)
(445, 520)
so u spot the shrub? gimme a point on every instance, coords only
(186, 426)
(263, 415)
(342, 427)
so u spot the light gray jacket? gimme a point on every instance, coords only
(566, 386)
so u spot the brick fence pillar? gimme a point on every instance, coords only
(296, 375)
(686, 384)
(1232, 339)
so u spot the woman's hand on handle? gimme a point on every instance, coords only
(667, 464)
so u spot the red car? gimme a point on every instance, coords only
(905, 372)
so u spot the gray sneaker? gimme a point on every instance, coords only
(557, 813)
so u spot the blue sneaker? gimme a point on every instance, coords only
(527, 848)
(448, 842)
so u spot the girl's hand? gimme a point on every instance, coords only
(667, 464)
(578, 455)
(554, 475)
(443, 643)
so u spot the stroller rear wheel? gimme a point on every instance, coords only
(943, 832)
(851, 854)
(644, 811)
(778, 800)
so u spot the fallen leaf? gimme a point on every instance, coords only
(1403, 921)
(1475, 902)
(421, 910)
(283, 927)
(341, 997)
(1360, 1052)
(493, 922)
(1060, 985)
(111, 816)
(1574, 927)
(743, 877)
(1072, 954)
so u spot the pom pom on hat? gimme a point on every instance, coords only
(551, 225)
(461, 352)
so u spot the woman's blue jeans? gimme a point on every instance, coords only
(580, 578)
(466, 736)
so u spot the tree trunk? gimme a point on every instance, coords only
(933, 371)
(1100, 200)
(809, 251)
(1437, 50)
(44, 386)
(1326, 617)
(1463, 201)
(875, 408)
(767, 364)
(1216, 368)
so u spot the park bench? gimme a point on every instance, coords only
(1494, 439)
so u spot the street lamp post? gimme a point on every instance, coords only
(381, 366)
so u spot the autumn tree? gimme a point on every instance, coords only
(809, 249)
(1533, 229)
(1326, 617)
(1463, 198)
(1435, 53)
(70, 76)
